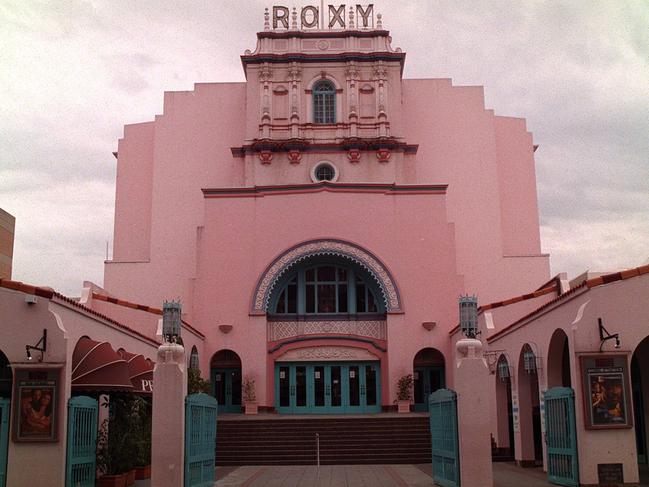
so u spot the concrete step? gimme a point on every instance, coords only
(372, 440)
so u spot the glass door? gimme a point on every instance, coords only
(226, 386)
(426, 381)
(333, 388)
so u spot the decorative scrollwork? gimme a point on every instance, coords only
(348, 251)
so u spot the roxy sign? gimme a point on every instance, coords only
(312, 17)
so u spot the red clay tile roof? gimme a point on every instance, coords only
(44, 292)
(139, 307)
(106, 318)
(589, 283)
(509, 301)
(517, 299)
(49, 293)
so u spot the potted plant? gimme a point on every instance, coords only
(404, 393)
(249, 397)
(196, 384)
(143, 440)
(116, 443)
(106, 462)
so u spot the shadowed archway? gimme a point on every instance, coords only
(225, 373)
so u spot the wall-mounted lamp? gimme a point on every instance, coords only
(604, 335)
(41, 346)
(529, 361)
(503, 370)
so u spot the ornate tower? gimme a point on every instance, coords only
(313, 91)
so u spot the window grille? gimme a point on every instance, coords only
(324, 102)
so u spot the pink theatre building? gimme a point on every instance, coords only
(320, 219)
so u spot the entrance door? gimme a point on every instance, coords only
(322, 388)
(426, 381)
(4, 439)
(227, 389)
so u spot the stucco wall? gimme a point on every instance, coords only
(622, 308)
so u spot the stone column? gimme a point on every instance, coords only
(473, 385)
(168, 422)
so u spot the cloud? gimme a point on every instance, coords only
(73, 73)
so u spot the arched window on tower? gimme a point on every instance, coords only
(324, 102)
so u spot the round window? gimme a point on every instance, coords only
(324, 172)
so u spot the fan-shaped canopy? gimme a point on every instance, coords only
(140, 372)
(97, 367)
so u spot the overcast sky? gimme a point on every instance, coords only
(72, 73)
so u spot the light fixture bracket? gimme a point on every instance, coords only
(41, 346)
(604, 335)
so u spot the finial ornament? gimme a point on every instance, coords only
(266, 19)
(294, 19)
(379, 21)
(351, 17)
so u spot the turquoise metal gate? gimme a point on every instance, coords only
(82, 442)
(4, 439)
(442, 407)
(561, 436)
(200, 440)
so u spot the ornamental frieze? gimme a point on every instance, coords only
(327, 353)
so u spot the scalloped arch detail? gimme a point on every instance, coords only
(345, 250)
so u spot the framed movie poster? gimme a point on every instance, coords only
(606, 392)
(36, 411)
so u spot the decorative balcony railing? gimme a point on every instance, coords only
(371, 328)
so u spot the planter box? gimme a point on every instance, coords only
(142, 473)
(251, 408)
(403, 406)
(112, 480)
(130, 477)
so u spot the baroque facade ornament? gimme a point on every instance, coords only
(281, 330)
(348, 251)
(327, 353)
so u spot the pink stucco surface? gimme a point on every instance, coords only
(576, 314)
(65, 324)
(479, 236)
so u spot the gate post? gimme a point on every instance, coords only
(168, 421)
(474, 389)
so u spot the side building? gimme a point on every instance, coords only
(7, 231)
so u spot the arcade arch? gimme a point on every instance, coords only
(558, 364)
(529, 407)
(6, 377)
(504, 409)
(640, 388)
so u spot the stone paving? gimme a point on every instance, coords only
(505, 475)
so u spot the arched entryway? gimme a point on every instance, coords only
(6, 380)
(226, 380)
(640, 387)
(529, 406)
(559, 360)
(504, 409)
(6, 377)
(428, 374)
